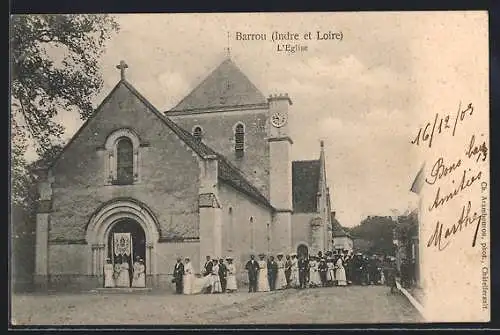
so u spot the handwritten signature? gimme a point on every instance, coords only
(441, 124)
(441, 242)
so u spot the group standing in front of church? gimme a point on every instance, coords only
(219, 275)
(119, 274)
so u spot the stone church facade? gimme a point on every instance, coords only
(212, 176)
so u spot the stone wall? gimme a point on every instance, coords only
(168, 181)
(238, 238)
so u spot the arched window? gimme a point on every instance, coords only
(124, 161)
(197, 133)
(123, 149)
(239, 140)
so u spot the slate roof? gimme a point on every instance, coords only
(226, 172)
(305, 185)
(226, 86)
(338, 231)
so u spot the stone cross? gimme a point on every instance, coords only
(122, 66)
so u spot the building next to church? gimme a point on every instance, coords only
(342, 239)
(212, 176)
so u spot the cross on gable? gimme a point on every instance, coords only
(122, 66)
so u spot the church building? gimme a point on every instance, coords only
(211, 176)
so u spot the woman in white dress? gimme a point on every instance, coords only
(295, 271)
(139, 278)
(124, 275)
(314, 279)
(109, 280)
(216, 286)
(281, 278)
(231, 285)
(262, 280)
(330, 275)
(188, 278)
(340, 272)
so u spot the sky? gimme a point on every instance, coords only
(359, 95)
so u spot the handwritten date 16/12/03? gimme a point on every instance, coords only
(442, 124)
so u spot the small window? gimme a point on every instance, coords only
(239, 137)
(197, 133)
(125, 161)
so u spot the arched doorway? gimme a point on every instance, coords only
(138, 243)
(302, 251)
(123, 215)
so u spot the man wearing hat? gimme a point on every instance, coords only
(178, 274)
(288, 271)
(272, 274)
(303, 268)
(253, 269)
(222, 274)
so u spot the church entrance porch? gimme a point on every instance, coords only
(126, 251)
(118, 232)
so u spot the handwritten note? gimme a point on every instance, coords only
(451, 177)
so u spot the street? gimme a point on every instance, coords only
(336, 305)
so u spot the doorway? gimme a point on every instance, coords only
(137, 244)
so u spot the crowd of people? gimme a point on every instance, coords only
(326, 269)
(119, 274)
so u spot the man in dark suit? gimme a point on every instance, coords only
(303, 266)
(207, 268)
(222, 274)
(253, 269)
(272, 272)
(178, 274)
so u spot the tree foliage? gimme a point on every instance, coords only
(378, 231)
(54, 66)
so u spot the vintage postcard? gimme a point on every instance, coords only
(250, 168)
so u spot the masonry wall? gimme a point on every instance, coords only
(241, 237)
(168, 185)
(169, 173)
(218, 133)
(301, 228)
(166, 258)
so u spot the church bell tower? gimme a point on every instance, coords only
(280, 173)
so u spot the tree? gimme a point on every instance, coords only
(378, 230)
(54, 67)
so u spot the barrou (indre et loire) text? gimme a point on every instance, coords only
(288, 36)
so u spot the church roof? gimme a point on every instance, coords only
(305, 185)
(226, 86)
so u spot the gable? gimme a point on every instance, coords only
(122, 95)
(226, 86)
(305, 185)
